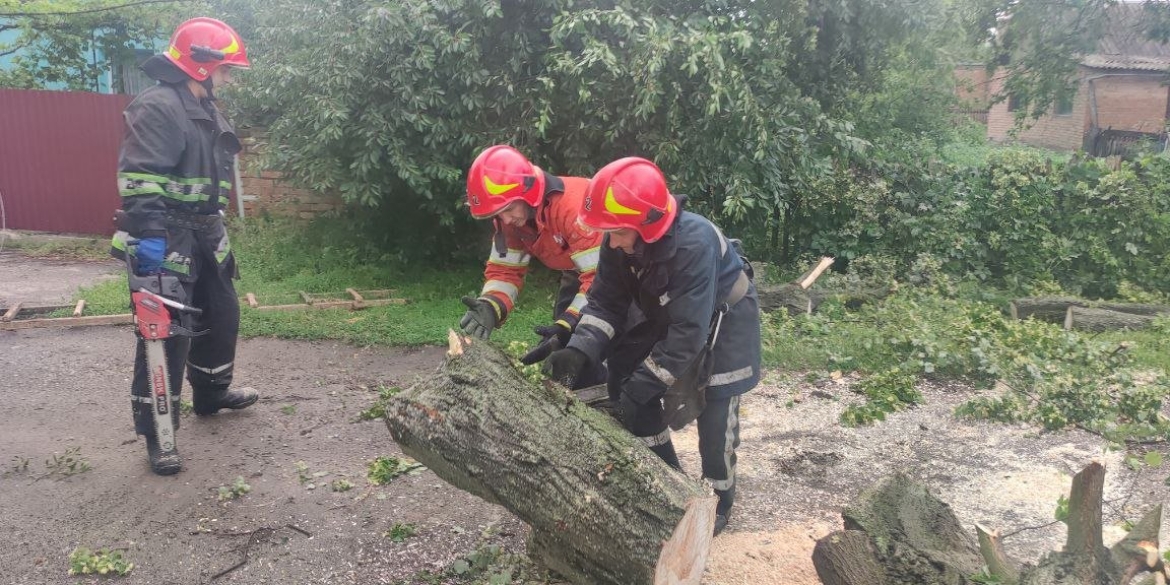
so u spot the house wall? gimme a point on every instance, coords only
(104, 83)
(973, 86)
(1058, 132)
(1130, 102)
(267, 193)
(1124, 101)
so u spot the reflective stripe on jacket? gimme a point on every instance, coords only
(176, 159)
(677, 283)
(558, 241)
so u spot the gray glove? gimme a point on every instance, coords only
(480, 318)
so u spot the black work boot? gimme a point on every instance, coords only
(723, 508)
(666, 453)
(162, 463)
(211, 402)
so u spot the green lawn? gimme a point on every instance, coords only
(278, 260)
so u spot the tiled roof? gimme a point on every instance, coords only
(1127, 62)
(1125, 45)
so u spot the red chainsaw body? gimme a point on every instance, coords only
(152, 316)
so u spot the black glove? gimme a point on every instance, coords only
(555, 337)
(564, 365)
(480, 318)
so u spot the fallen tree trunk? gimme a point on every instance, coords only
(1094, 319)
(1047, 309)
(799, 301)
(898, 533)
(1054, 309)
(602, 507)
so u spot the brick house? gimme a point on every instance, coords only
(1121, 95)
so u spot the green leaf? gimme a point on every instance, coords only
(460, 567)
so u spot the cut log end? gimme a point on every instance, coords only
(684, 556)
(456, 343)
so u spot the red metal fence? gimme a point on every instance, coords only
(59, 160)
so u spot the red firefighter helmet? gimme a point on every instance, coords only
(630, 193)
(499, 176)
(201, 44)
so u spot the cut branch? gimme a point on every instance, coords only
(998, 563)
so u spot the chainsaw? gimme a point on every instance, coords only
(153, 298)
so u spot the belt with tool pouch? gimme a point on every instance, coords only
(687, 397)
(193, 221)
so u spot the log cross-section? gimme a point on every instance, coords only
(602, 507)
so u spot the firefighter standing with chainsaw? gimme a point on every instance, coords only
(535, 214)
(174, 175)
(696, 347)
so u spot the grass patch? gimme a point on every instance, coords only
(1112, 384)
(278, 259)
(106, 562)
(60, 248)
(231, 492)
(400, 532)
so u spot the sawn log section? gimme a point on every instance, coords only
(603, 509)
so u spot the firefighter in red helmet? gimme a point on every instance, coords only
(535, 214)
(696, 347)
(174, 175)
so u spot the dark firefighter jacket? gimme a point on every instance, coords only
(678, 283)
(175, 162)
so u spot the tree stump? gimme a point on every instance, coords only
(602, 507)
(898, 533)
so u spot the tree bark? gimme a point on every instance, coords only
(847, 557)
(602, 507)
(799, 301)
(914, 538)
(1054, 309)
(1094, 319)
(1047, 309)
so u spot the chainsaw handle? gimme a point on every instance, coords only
(176, 305)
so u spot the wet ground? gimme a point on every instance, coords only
(65, 396)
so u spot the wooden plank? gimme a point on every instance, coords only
(67, 322)
(379, 292)
(353, 293)
(305, 297)
(11, 314)
(79, 308)
(824, 265)
(252, 302)
(27, 311)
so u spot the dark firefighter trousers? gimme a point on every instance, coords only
(208, 359)
(718, 425)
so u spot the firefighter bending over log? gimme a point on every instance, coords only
(690, 346)
(535, 214)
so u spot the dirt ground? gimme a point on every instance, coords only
(67, 389)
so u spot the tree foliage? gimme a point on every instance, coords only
(742, 103)
(57, 42)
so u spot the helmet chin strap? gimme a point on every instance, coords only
(210, 87)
